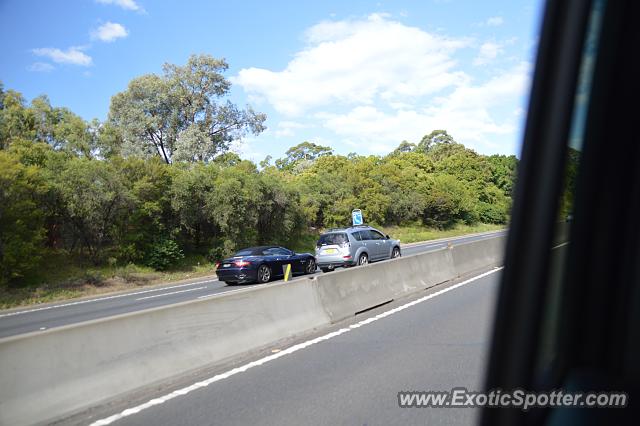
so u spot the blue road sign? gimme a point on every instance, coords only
(356, 217)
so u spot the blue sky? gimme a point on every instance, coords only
(359, 76)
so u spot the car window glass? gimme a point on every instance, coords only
(246, 252)
(275, 251)
(375, 235)
(357, 236)
(366, 235)
(334, 238)
(553, 326)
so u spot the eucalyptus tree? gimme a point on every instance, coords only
(182, 115)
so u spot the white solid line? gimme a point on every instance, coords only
(290, 350)
(560, 245)
(169, 294)
(117, 296)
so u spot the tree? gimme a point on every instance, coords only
(62, 129)
(279, 200)
(192, 186)
(303, 153)
(150, 222)
(181, 115)
(464, 164)
(448, 201)
(96, 202)
(16, 120)
(325, 196)
(503, 172)
(434, 138)
(266, 162)
(405, 146)
(21, 220)
(493, 205)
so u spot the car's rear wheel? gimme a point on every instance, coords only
(311, 267)
(363, 259)
(264, 274)
(395, 253)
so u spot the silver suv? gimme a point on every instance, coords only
(357, 245)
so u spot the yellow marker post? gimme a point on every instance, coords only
(287, 272)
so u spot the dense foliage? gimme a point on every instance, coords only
(111, 192)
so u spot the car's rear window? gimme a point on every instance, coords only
(333, 238)
(250, 252)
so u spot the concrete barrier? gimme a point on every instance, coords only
(46, 375)
(346, 292)
(476, 255)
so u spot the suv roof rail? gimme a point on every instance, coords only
(346, 227)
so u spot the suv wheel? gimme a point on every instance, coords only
(363, 259)
(395, 253)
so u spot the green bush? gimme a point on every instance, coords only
(215, 254)
(163, 254)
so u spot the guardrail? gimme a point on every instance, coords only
(48, 375)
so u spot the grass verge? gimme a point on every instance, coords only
(418, 233)
(63, 276)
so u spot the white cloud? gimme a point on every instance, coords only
(73, 55)
(125, 4)
(466, 113)
(368, 84)
(109, 32)
(488, 52)
(41, 67)
(494, 21)
(287, 128)
(358, 62)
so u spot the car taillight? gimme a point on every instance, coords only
(217, 265)
(241, 263)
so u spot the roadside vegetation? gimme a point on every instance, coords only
(154, 192)
(63, 275)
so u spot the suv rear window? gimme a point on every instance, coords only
(333, 238)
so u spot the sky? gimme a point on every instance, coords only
(358, 76)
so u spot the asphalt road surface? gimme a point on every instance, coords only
(46, 316)
(349, 374)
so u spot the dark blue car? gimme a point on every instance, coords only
(261, 264)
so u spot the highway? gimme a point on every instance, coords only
(348, 374)
(47, 316)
